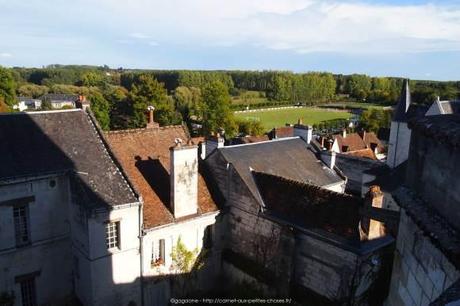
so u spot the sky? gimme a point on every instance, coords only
(405, 38)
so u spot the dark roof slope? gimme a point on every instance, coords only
(144, 155)
(310, 207)
(353, 168)
(287, 157)
(59, 97)
(433, 225)
(404, 102)
(41, 143)
(443, 128)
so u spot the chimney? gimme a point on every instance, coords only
(184, 179)
(214, 142)
(328, 158)
(344, 133)
(151, 123)
(303, 131)
(82, 103)
(373, 228)
(362, 134)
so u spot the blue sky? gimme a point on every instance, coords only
(407, 38)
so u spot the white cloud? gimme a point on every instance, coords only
(6, 54)
(303, 26)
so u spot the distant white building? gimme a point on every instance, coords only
(447, 107)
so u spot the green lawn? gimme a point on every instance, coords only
(351, 105)
(278, 118)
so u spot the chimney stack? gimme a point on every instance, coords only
(328, 158)
(214, 142)
(151, 123)
(184, 179)
(373, 228)
(82, 103)
(344, 133)
(303, 131)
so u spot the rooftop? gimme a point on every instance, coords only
(287, 157)
(42, 143)
(450, 107)
(443, 128)
(144, 155)
(310, 207)
(433, 225)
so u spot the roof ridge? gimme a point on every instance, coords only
(42, 112)
(261, 142)
(136, 130)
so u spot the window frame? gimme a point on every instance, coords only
(109, 229)
(158, 252)
(21, 225)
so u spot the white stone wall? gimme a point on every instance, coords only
(420, 271)
(49, 253)
(399, 143)
(192, 234)
(115, 273)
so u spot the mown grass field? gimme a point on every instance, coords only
(278, 118)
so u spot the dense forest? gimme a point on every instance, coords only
(120, 96)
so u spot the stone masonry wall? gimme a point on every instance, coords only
(420, 270)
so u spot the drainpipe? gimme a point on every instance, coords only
(141, 250)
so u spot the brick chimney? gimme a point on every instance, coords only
(303, 131)
(184, 178)
(151, 121)
(373, 228)
(82, 103)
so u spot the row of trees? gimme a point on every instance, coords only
(276, 85)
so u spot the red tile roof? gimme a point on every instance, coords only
(366, 153)
(144, 155)
(356, 142)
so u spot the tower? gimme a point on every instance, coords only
(398, 146)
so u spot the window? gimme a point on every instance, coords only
(21, 226)
(158, 253)
(113, 235)
(28, 295)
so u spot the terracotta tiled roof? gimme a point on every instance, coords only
(352, 142)
(282, 132)
(144, 155)
(366, 153)
(356, 142)
(249, 139)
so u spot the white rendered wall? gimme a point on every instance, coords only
(115, 273)
(49, 253)
(398, 146)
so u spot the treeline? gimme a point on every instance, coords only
(119, 96)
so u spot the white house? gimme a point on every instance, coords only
(178, 205)
(69, 221)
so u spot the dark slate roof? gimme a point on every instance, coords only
(449, 296)
(404, 102)
(309, 206)
(388, 179)
(287, 157)
(59, 97)
(450, 107)
(44, 143)
(353, 168)
(443, 128)
(433, 225)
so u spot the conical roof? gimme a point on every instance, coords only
(401, 109)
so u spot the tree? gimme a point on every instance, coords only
(359, 86)
(148, 91)
(373, 119)
(216, 112)
(7, 87)
(32, 90)
(3, 106)
(188, 101)
(46, 105)
(101, 110)
(250, 127)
